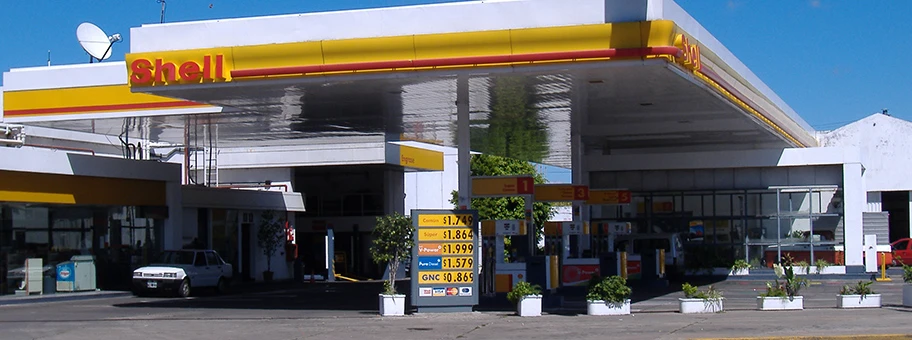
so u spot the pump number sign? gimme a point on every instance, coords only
(444, 260)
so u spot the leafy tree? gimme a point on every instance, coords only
(270, 236)
(513, 128)
(506, 208)
(392, 242)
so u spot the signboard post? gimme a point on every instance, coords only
(445, 260)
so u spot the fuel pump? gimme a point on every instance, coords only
(505, 271)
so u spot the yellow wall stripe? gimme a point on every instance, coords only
(30, 187)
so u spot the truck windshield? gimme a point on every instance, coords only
(176, 257)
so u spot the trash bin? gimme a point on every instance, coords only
(50, 281)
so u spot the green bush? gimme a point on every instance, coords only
(821, 265)
(791, 284)
(523, 289)
(740, 265)
(692, 292)
(689, 291)
(861, 288)
(907, 273)
(392, 242)
(613, 290)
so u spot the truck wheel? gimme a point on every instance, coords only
(184, 289)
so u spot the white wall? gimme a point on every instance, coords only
(886, 145)
(278, 176)
(432, 189)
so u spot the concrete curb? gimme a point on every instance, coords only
(61, 297)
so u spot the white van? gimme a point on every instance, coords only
(671, 242)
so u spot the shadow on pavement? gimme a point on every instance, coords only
(351, 296)
(363, 296)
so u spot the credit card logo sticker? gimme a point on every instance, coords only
(439, 292)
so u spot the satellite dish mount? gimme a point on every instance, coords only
(95, 41)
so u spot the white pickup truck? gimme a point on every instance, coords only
(176, 271)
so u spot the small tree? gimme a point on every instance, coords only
(392, 242)
(270, 236)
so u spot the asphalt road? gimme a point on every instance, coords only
(348, 311)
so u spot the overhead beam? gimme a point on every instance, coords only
(679, 125)
(724, 159)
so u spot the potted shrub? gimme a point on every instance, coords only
(527, 298)
(821, 266)
(697, 301)
(392, 242)
(740, 267)
(859, 295)
(270, 236)
(907, 287)
(783, 295)
(608, 296)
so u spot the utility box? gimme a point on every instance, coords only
(34, 275)
(77, 274)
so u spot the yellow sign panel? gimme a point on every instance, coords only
(436, 277)
(458, 262)
(417, 158)
(561, 192)
(609, 197)
(454, 248)
(445, 234)
(502, 186)
(446, 220)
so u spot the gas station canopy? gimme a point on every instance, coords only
(638, 77)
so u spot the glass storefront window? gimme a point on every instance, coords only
(757, 225)
(119, 238)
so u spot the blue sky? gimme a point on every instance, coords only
(832, 61)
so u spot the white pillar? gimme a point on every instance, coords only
(462, 141)
(174, 231)
(854, 203)
(579, 173)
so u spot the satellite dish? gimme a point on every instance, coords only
(95, 42)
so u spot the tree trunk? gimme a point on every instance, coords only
(394, 267)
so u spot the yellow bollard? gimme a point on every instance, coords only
(555, 273)
(624, 265)
(883, 269)
(662, 263)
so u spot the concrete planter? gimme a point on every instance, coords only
(392, 305)
(739, 272)
(780, 303)
(858, 301)
(599, 307)
(529, 305)
(812, 270)
(696, 306)
(907, 295)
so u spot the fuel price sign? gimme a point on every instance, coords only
(444, 260)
